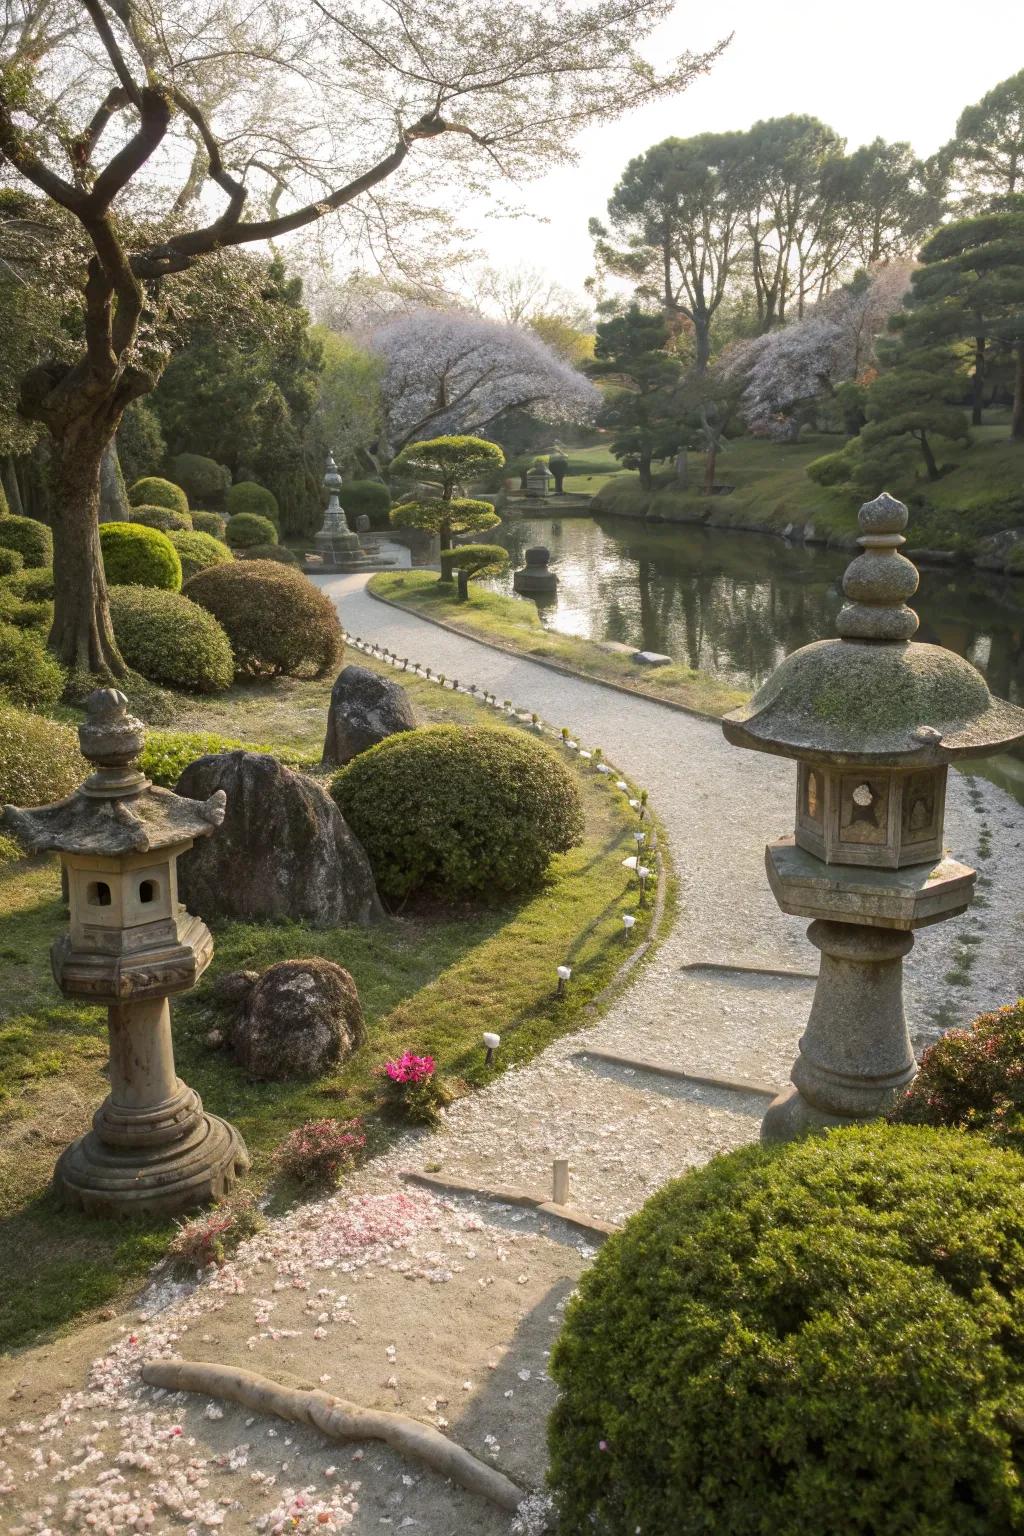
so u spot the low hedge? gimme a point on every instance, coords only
(276, 620)
(29, 675)
(39, 759)
(213, 523)
(24, 615)
(34, 585)
(246, 529)
(170, 639)
(459, 812)
(167, 519)
(247, 496)
(198, 552)
(973, 1079)
(827, 1336)
(278, 552)
(136, 556)
(32, 539)
(152, 491)
(11, 561)
(167, 754)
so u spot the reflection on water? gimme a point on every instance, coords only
(734, 604)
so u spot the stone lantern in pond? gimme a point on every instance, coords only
(873, 720)
(539, 480)
(132, 945)
(335, 542)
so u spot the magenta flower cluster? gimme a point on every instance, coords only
(410, 1069)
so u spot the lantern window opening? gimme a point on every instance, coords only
(98, 894)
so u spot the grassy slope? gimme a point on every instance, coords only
(514, 624)
(432, 983)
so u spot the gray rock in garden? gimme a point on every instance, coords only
(299, 1019)
(995, 552)
(652, 658)
(365, 708)
(362, 523)
(284, 850)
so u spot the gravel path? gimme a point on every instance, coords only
(447, 1309)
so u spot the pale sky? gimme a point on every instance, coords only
(901, 69)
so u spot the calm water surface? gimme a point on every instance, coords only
(734, 604)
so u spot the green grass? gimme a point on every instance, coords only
(513, 623)
(430, 982)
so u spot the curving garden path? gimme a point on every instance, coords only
(446, 1310)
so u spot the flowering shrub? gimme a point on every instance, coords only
(973, 1078)
(414, 1088)
(320, 1151)
(205, 1239)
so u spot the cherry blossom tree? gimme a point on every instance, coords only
(453, 372)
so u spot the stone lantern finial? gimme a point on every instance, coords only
(879, 581)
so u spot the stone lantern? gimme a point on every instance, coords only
(539, 480)
(132, 945)
(873, 719)
(335, 542)
(535, 577)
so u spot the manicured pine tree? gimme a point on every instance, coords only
(640, 404)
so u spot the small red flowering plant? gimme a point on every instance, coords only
(320, 1151)
(973, 1078)
(207, 1238)
(414, 1089)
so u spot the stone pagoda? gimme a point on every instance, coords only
(873, 720)
(132, 945)
(336, 543)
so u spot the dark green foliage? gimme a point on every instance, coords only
(11, 561)
(213, 523)
(167, 754)
(29, 675)
(279, 552)
(247, 496)
(151, 491)
(973, 1078)
(246, 529)
(140, 442)
(452, 461)
(171, 640)
(164, 518)
(640, 405)
(198, 551)
(34, 614)
(203, 480)
(39, 759)
(32, 539)
(459, 812)
(136, 556)
(987, 151)
(825, 1336)
(475, 560)
(367, 498)
(276, 620)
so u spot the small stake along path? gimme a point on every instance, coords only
(411, 1296)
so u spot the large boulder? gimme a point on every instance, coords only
(284, 850)
(300, 1018)
(365, 708)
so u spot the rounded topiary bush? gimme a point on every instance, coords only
(170, 639)
(460, 812)
(39, 759)
(29, 674)
(198, 552)
(34, 585)
(278, 552)
(32, 539)
(152, 491)
(213, 523)
(247, 496)
(367, 498)
(11, 561)
(827, 1336)
(203, 480)
(136, 556)
(164, 518)
(246, 529)
(973, 1079)
(276, 620)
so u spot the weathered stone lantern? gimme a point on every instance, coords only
(335, 542)
(535, 577)
(873, 720)
(539, 480)
(132, 945)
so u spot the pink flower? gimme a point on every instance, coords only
(410, 1068)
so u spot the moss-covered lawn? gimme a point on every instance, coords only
(432, 982)
(513, 624)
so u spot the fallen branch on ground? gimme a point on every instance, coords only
(338, 1419)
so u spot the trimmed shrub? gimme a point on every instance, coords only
(11, 561)
(367, 498)
(213, 523)
(247, 496)
(320, 1151)
(973, 1079)
(170, 640)
(459, 812)
(164, 518)
(778, 1340)
(198, 552)
(136, 556)
(246, 529)
(39, 759)
(33, 586)
(32, 539)
(279, 552)
(151, 491)
(29, 675)
(276, 620)
(167, 754)
(203, 480)
(24, 615)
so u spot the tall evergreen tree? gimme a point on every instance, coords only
(641, 406)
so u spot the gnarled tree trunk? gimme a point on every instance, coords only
(82, 635)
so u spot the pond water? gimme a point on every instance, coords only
(734, 604)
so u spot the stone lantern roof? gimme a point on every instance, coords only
(117, 810)
(876, 696)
